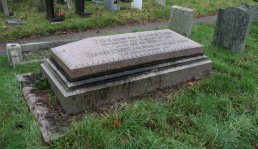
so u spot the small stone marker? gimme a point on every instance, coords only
(41, 5)
(232, 28)
(181, 20)
(253, 11)
(99, 70)
(111, 5)
(137, 4)
(161, 2)
(16, 22)
(14, 53)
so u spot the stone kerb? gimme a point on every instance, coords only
(14, 51)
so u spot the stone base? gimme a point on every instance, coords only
(80, 95)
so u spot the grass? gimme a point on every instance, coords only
(38, 26)
(220, 111)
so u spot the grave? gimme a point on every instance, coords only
(137, 4)
(111, 5)
(79, 8)
(50, 12)
(41, 4)
(99, 70)
(252, 10)
(161, 2)
(5, 8)
(181, 20)
(232, 28)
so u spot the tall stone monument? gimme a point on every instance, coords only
(181, 20)
(100, 70)
(5, 8)
(232, 28)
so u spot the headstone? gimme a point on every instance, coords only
(5, 7)
(79, 8)
(137, 4)
(100, 70)
(111, 5)
(181, 20)
(232, 28)
(41, 5)
(161, 2)
(253, 11)
(50, 12)
(69, 4)
(1, 7)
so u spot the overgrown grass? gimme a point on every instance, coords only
(37, 25)
(220, 111)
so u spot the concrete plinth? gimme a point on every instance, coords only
(77, 96)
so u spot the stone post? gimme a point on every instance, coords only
(14, 53)
(181, 20)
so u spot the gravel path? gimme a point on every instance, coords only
(105, 31)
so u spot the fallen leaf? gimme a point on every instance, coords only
(117, 124)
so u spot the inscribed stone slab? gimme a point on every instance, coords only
(232, 28)
(108, 53)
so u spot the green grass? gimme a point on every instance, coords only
(219, 111)
(38, 26)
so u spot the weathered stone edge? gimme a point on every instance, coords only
(39, 111)
(80, 100)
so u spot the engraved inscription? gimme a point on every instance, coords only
(115, 51)
(135, 46)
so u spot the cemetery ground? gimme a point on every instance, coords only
(37, 25)
(219, 111)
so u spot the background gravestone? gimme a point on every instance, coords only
(111, 5)
(161, 2)
(181, 20)
(232, 28)
(4, 6)
(137, 4)
(41, 5)
(253, 11)
(1, 7)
